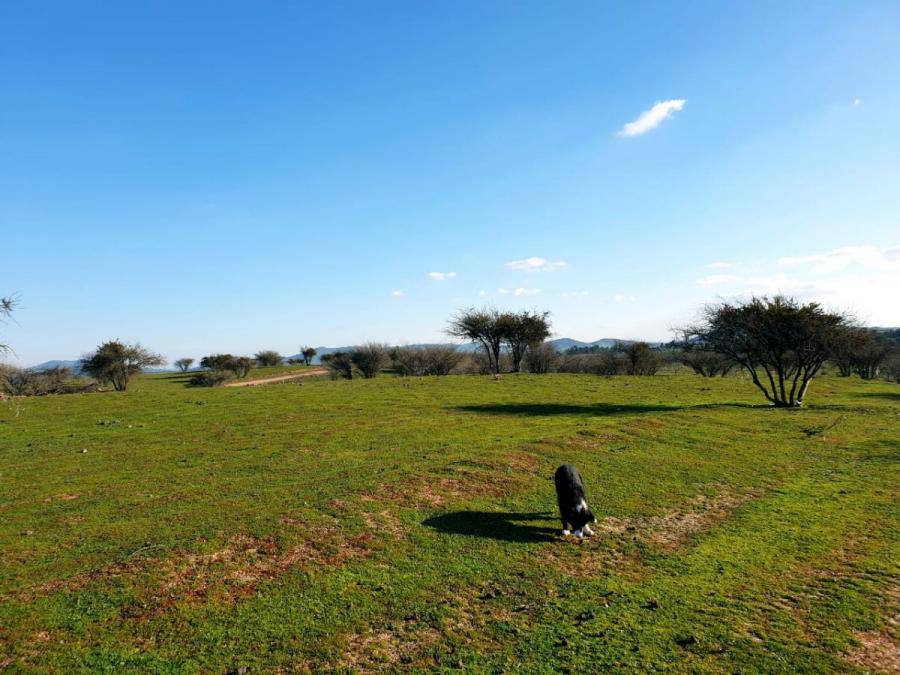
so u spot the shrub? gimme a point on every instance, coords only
(308, 353)
(432, 360)
(542, 359)
(370, 359)
(268, 357)
(339, 365)
(239, 366)
(21, 382)
(211, 378)
(641, 359)
(184, 365)
(706, 363)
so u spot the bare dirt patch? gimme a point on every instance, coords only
(377, 648)
(276, 378)
(877, 652)
(671, 530)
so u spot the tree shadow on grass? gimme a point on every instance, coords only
(494, 525)
(546, 409)
(889, 395)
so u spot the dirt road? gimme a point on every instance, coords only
(276, 378)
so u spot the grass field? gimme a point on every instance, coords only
(410, 524)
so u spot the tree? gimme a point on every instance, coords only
(779, 342)
(239, 366)
(845, 348)
(870, 356)
(308, 353)
(184, 365)
(268, 357)
(482, 326)
(7, 305)
(523, 331)
(339, 364)
(430, 360)
(370, 359)
(216, 361)
(115, 363)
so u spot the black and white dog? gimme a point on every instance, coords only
(573, 509)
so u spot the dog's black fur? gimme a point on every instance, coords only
(573, 509)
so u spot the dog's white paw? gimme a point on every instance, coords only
(588, 531)
(566, 533)
(579, 533)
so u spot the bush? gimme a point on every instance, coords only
(268, 357)
(370, 359)
(542, 359)
(419, 361)
(599, 362)
(239, 366)
(184, 365)
(706, 363)
(21, 382)
(641, 359)
(211, 378)
(339, 365)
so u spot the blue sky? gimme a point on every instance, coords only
(236, 176)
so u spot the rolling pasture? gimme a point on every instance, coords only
(409, 523)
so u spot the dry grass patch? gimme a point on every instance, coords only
(877, 652)
(380, 648)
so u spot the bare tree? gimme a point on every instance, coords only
(308, 353)
(184, 365)
(705, 362)
(7, 305)
(779, 342)
(268, 357)
(481, 326)
(642, 360)
(115, 363)
(430, 360)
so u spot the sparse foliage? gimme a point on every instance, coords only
(268, 357)
(370, 358)
(481, 326)
(542, 359)
(779, 342)
(238, 366)
(7, 305)
(184, 365)
(339, 364)
(706, 362)
(431, 360)
(22, 382)
(115, 363)
(642, 359)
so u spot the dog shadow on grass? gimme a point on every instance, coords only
(502, 526)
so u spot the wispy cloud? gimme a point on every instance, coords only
(535, 264)
(618, 299)
(441, 276)
(398, 294)
(865, 257)
(650, 119)
(718, 266)
(502, 291)
(526, 291)
(857, 102)
(482, 293)
(853, 278)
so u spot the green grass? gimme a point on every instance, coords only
(409, 523)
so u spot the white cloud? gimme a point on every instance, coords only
(623, 298)
(718, 266)
(857, 102)
(441, 276)
(650, 119)
(482, 293)
(858, 279)
(398, 294)
(527, 291)
(502, 291)
(535, 264)
(865, 257)
(716, 279)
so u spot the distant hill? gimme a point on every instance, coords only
(75, 365)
